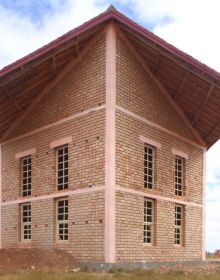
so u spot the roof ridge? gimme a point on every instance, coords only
(111, 8)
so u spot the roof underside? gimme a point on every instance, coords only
(194, 87)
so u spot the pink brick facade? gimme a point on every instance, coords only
(78, 108)
(141, 98)
(77, 103)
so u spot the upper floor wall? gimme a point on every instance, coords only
(85, 157)
(81, 89)
(138, 93)
(143, 111)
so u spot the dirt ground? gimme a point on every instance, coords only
(31, 259)
(12, 260)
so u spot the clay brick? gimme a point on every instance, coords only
(81, 90)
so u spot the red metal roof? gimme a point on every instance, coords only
(107, 15)
(20, 75)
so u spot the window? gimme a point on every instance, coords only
(26, 176)
(179, 166)
(62, 219)
(62, 168)
(178, 224)
(26, 222)
(148, 166)
(148, 221)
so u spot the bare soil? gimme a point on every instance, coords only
(31, 262)
(31, 259)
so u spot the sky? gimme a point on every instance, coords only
(191, 25)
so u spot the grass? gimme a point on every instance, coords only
(113, 275)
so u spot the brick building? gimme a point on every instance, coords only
(103, 137)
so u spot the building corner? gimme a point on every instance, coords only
(110, 142)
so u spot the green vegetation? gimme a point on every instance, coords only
(115, 275)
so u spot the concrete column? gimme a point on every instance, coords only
(204, 208)
(0, 196)
(110, 145)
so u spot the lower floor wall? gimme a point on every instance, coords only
(86, 228)
(130, 246)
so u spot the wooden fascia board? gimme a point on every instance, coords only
(160, 86)
(53, 83)
(72, 34)
(40, 59)
(35, 63)
(140, 32)
(144, 35)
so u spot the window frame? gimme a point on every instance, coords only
(63, 169)
(26, 188)
(150, 224)
(146, 182)
(63, 221)
(28, 223)
(179, 187)
(179, 227)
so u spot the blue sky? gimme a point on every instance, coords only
(26, 25)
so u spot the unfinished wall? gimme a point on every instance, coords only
(130, 160)
(81, 89)
(129, 232)
(147, 113)
(81, 95)
(137, 93)
(150, 115)
(86, 154)
(86, 226)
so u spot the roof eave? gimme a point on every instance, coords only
(106, 16)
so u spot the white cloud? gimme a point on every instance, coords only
(213, 165)
(190, 25)
(193, 27)
(213, 218)
(20, 35)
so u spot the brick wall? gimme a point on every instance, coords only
(137, 93)
(143, 102)
(86, 153)
(86, 226)
(129, 231)
(10, 226)
(81, 90)
(130, 160)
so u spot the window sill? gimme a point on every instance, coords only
(178, 246)
(180, 197)
(148, 245)
(153, 191)
(61, 241)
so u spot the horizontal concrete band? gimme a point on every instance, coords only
(144, 120)
(96, 189)
(72, 117)
(158, 197)
(131, 114)
(53, 195)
